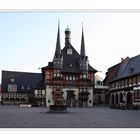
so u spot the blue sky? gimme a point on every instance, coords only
(28, 40)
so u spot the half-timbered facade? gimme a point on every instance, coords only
(22, 88)
(69, 78)
(123, 80)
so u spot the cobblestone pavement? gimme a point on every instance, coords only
(95, 117)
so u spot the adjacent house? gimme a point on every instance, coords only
(22, 88)
(123, 80)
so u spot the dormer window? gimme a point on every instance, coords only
(12, 80)
(69, 51)
(12, 88)
(22, 87)
(131, 70)
(28, 87)
(70, 65)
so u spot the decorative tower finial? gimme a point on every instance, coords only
(67, 35)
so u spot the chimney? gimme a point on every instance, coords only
(122, 59)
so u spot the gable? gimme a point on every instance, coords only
(70, 60)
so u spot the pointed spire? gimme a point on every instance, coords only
(58, 46)
(82, 52)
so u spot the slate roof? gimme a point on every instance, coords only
(70, 62)
(26, 79)
(128, 68)
(90, 68)
(73, 60)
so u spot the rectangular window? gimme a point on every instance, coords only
(84, 90)
(138, 78)
(67, 78)
(125, 82)
(36, 92)
(69, 51)
(134, 80)
(47, 77)
(136, 95)
(43, 92)
(117, 83)
(12, 88)
(70, 78)
(81, 90)
(129, 81)
(84, 76)
(57, 73)
(39, 91)
(48, 74)
(77, 78)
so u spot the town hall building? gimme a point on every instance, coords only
(69, 78)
